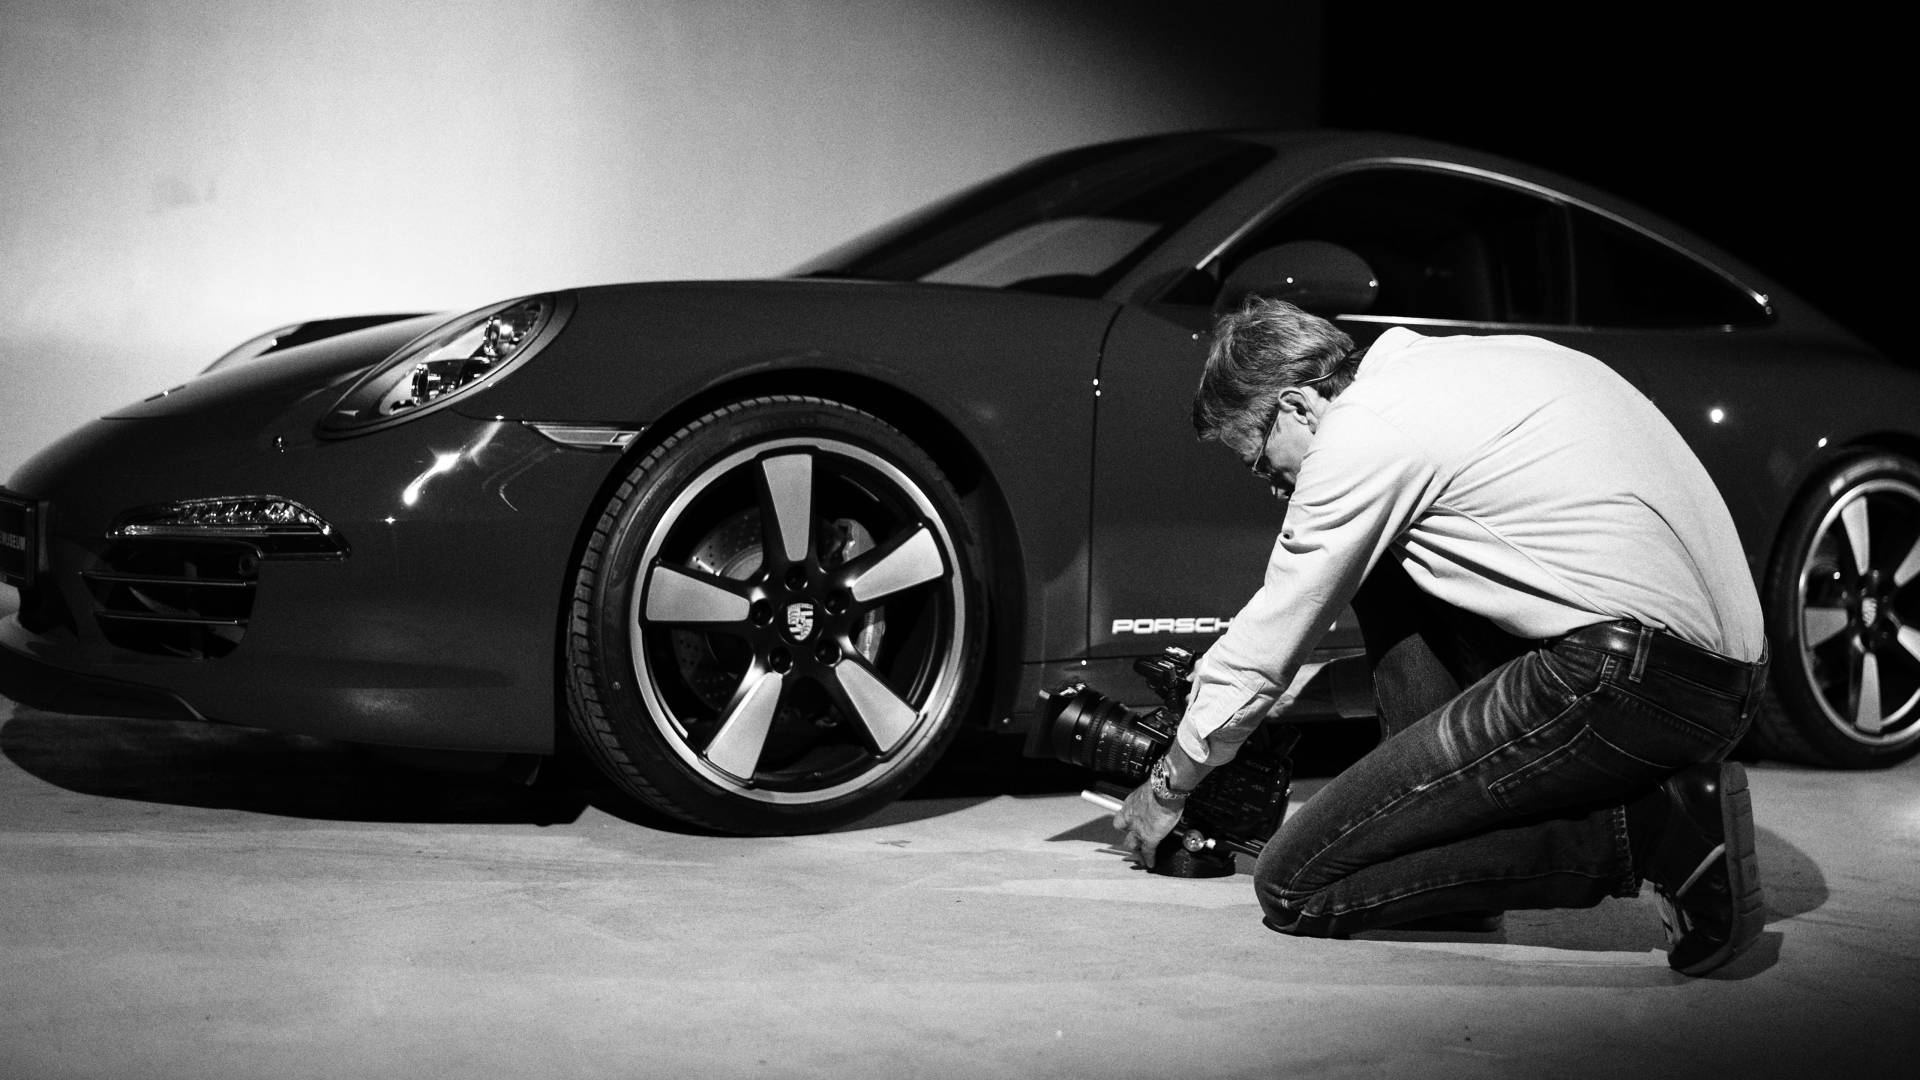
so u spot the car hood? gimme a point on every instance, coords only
(271, 385)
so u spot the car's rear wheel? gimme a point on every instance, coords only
(776, 622)
(1843, 610)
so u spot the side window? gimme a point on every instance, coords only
(1441, 245)
(1623, 278)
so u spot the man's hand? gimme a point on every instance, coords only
(1146, 821)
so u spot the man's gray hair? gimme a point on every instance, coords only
(1258, 350)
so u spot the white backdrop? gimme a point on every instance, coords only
(178, 176)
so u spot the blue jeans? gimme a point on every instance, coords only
(1503, 775)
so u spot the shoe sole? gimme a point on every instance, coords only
(1742, 861)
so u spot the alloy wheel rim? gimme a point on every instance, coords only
(1859, 613)
(824, 671)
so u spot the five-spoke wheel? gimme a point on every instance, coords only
(776, 624)
(1844, 609)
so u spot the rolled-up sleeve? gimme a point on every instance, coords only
(1362, 483)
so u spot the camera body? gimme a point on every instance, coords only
(1237, 807)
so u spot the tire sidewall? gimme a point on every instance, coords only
(641, 759)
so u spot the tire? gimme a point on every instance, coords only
(777, 621)
(1843, 613)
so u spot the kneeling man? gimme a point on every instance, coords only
(1564, 635)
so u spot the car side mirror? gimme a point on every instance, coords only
(1320, 277)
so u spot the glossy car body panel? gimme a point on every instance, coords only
(1017, 399)
(419, 638)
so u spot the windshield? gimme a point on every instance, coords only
(1070, 224)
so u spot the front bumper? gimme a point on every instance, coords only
(36, 683)
(439, 629)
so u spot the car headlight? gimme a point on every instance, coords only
(450, 361)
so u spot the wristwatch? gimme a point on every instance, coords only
(1161, 784)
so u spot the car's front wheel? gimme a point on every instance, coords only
(1843, 612)
(776, 621)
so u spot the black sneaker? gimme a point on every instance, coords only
(1704, 870)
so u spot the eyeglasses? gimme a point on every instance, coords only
(1258, 466)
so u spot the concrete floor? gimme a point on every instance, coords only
(200, 902)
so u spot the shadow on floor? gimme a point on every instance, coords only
(984, 764)
(981, 765)
(227, 767)
(222, 767)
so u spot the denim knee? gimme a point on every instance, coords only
(1271, 872)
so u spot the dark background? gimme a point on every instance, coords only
(176, 178)
(1773, 132)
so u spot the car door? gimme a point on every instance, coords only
(1696, 342)
(1180, 532)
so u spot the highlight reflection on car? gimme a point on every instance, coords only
(761, 547)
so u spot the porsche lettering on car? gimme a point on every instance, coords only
(1185, 624)
(759, 548)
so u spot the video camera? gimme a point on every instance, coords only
(1237, 807)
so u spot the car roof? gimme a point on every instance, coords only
(1315, 151)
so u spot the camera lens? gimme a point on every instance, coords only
(1088, 729)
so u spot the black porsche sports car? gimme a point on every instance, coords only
(765, 545)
